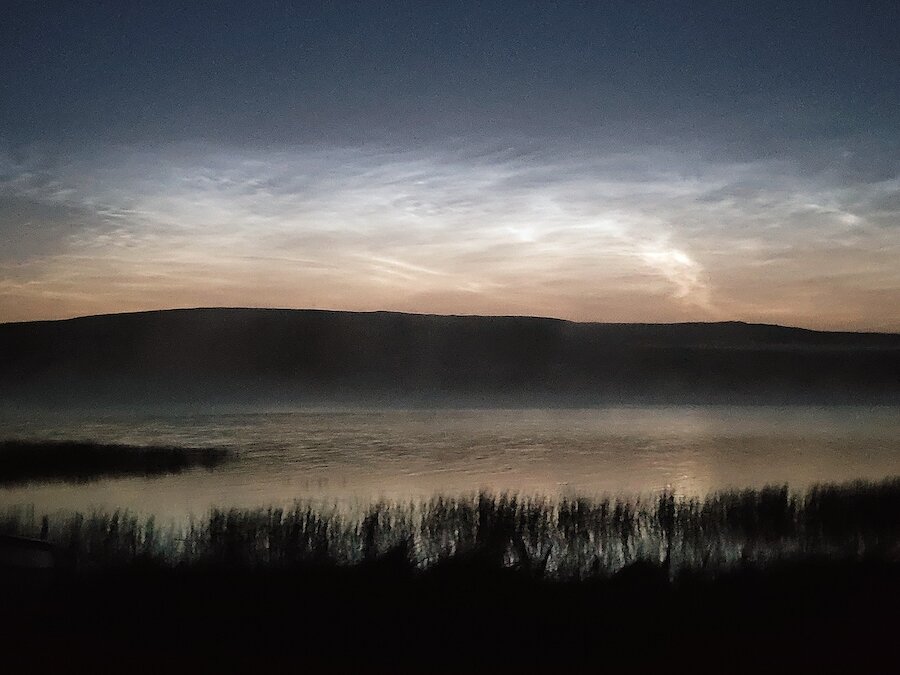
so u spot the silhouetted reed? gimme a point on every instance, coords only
(565, 538)
(26, 461)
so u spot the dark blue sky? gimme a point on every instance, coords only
(287, 72)
(764, 108)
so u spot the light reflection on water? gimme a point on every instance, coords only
(363, 455)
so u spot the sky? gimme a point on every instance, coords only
(595, 161)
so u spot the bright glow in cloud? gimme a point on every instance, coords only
(604, 234)
(684, 273)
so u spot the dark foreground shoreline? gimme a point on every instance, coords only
(745, 581)
(814, 616)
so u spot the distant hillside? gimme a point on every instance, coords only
(264, 355)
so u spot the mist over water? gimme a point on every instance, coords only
(352, 456)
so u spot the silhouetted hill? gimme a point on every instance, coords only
(256, 355)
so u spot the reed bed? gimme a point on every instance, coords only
(557, 538)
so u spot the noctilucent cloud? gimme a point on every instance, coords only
(593, 161)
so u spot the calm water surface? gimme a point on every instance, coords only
(350, 456)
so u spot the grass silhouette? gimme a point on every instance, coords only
(569, 538)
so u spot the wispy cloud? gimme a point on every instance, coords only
(587, 233)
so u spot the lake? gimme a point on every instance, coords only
(348, 456)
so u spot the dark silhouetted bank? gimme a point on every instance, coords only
(41, 461)
(309, 356)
